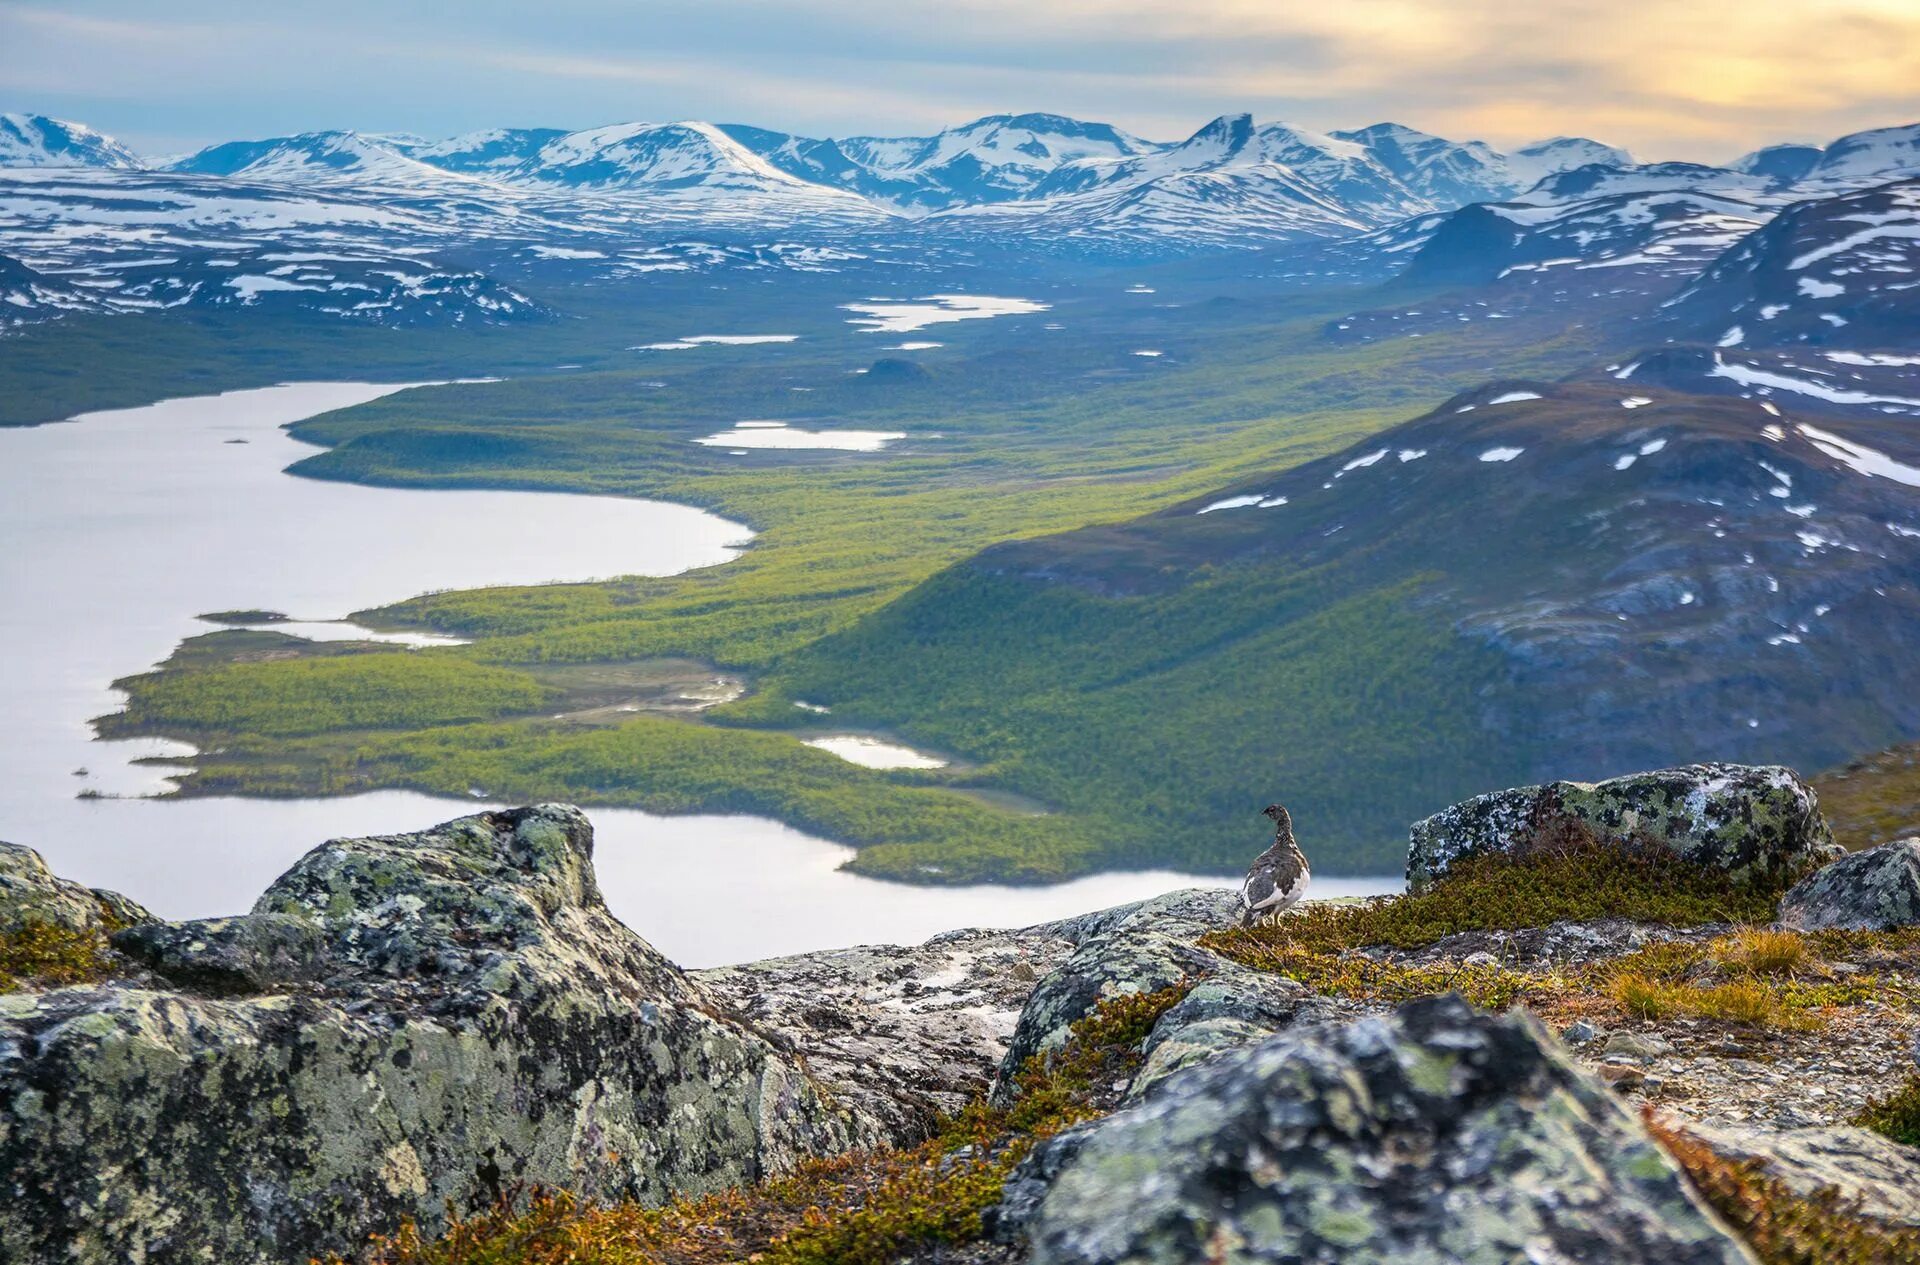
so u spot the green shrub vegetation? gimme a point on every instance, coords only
(1497, 892)
(1752, 975)
(1149, 725)
(286, 697)
(668, 765)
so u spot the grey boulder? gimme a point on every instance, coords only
(402, 1024)
(1438, 1134)
(1755, 821)
(1875, 890)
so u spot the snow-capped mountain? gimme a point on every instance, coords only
(315, 158)
(1884, 153)
(1530, 164)
(1600, 180)
(1218, 187)
(824, 162)
(1676, 233)
(1444, 172)
(1566, 218)
(1841, 271)
(493, 150)
(34, 140)
(992, 159)
(655, 155)
(1853, 161)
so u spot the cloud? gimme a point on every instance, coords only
(1669, 78)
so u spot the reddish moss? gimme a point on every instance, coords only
(1784, 1228)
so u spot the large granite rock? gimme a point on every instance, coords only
(402, 1023)
(30, 892)
(1756, 822)
(1874, 890)
(1436, 1135)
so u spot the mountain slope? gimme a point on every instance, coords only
(1532, 581)
(1842, 271)
(1444, 172)
(492, 150)
(315, 158)
(1883, 153)
(1530, 164)
(34, 140)
(1677, 233)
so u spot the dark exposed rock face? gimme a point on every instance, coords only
(1752, 821)
(400, 1023)
(29, 892)
(1438, 1134)
(1875, 890)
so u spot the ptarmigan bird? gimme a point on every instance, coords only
(1279, 876)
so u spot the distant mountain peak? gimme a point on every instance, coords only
(35, 140)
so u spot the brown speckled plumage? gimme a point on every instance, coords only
(1279, 876)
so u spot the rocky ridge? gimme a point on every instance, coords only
(411, 1023)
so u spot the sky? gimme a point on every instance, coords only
(1702, 80)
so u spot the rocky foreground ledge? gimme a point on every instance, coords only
(416, 1024)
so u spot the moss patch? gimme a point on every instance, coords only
(45, 954)
(1750, 976)
(1576, 882)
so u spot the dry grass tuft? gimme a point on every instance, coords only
(1765, 951)
(1737, 1001)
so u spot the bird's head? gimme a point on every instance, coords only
(1279, 815)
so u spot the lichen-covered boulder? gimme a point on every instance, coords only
(1137, 948)
(1758, 822)
(1434, 1136)
(30, 892)
(402, 1024)
(1874, 890)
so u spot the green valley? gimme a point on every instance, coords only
(1013, 431)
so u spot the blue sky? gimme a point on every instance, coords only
(1697, 79)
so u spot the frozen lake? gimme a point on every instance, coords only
(122, 526)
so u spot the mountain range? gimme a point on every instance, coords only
(1559, 219)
